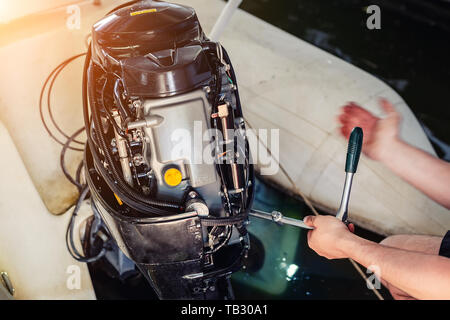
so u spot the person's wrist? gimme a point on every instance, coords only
(346, 243)
(389, 149)
(352, 245)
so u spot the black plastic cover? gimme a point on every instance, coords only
(145, 27)
(154, 46)
(165, 73)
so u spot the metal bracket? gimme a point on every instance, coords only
(7, 282)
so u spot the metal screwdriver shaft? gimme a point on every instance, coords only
(277, 217)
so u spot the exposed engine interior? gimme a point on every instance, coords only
(167, 160)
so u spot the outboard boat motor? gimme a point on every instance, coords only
(167, 160)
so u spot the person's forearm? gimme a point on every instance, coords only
(421, 275)
(425, 172)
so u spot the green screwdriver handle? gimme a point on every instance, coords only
(354, 150)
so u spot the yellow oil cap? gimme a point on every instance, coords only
(172, 177)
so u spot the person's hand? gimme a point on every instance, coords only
(380, 134)
(327, 235)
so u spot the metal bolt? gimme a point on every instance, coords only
(192, 194)
(137, 104)
(276, 216)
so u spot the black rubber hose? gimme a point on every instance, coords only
(62, 156)
(123, 111)
(70, 244)
(233, 78)
(108, 113)
(251, 197)
(78, 173)
(61, 65)
(220, 222)
(49, 108)
(218, 88)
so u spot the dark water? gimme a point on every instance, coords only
(411, 52)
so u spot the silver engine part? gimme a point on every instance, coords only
(177, 135)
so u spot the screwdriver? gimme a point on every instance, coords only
(351, 164)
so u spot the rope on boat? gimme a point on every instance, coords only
(311, 206)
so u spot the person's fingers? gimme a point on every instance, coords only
(352, 115)
(349, 108)
(353, 104)
(357, 114)
(362, 114)
(355, 122)
(308, 236)
(348, 118)
(343, 118)
(388, 107)
(309, 220)
(351, 227)
(345, 131)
